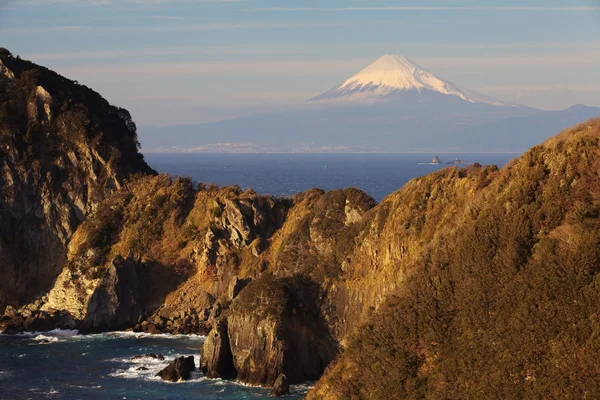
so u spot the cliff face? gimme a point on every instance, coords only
(62, 150)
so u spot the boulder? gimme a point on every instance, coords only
(179, 369)
(281, 386)
(216, 360)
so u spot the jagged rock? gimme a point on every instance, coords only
(272, 327)
(13, 326)
(40, 321)
(10, 312)
(26, 320)
(216, 360)
(237, 285)
(281, 386)
(119, 302)
(152, 329)
(179, 369)
(7, 73)
(235, 220)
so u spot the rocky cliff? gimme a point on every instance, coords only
(466, 283)
(63, 149)
(502, 300)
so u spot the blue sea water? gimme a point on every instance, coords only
(287, 174)
(62, 365)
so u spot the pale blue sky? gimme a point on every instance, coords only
(185, 61)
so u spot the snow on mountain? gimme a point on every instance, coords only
(393, 75)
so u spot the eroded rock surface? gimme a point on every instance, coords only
(273, 327)
(119, 301)
(216, 360)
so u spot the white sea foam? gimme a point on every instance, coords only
(139, 335)
(65, 333)
(131, 368)
(85, 387)
(54, 332)
(44, 339)
(53, 336)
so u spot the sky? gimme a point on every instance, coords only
(173, 62)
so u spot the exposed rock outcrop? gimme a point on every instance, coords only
(17, 321)
(179, 369)
(281, 386)
(216, 360)
(273, 327)
(119, 301)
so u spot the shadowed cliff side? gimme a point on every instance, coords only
(63, 149)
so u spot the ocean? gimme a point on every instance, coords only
(287, 174)
(63, 365)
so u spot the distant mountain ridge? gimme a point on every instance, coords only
(391, 106)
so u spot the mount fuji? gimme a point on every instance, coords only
(391, 77)
(392, 105)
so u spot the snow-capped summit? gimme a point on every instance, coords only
(392, 75)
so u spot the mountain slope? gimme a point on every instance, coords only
(63, 148)
(392, 76)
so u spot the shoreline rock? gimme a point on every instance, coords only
(179, 369)
(281, 387)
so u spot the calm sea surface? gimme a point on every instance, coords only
(287, 174)
(62, 365)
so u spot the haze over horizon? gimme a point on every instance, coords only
(173, 62)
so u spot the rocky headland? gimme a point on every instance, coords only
(466, 283)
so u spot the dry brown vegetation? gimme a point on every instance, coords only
(503, 305)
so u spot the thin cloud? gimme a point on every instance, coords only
(96, 3)
(168, 28)
(305, 49)
(214, 68)
(157, 52)
(314, 68)
(431, 8)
